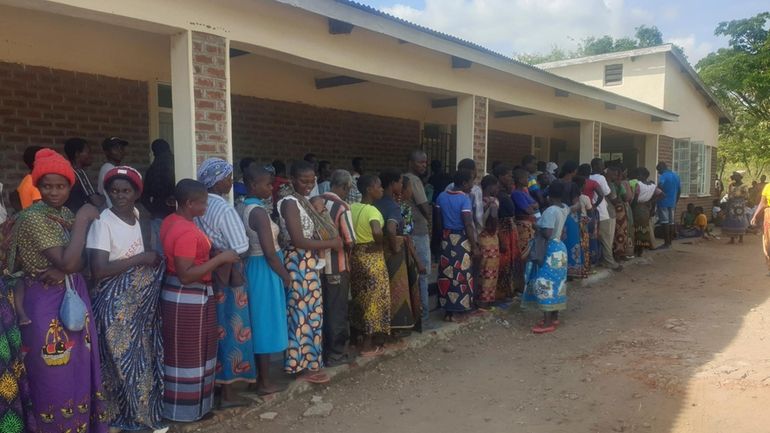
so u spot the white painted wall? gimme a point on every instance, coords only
(643, 77)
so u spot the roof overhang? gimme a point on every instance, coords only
(700, 86)
(377, 21)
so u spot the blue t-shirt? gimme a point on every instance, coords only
(390, 210)
(523, 201)
(452, 205)
(671, 186)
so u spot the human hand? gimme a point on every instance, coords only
(286, 281)
(229, 256)
(150, 258)
(52, 277)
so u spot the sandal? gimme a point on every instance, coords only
(553, 322)
(379, 350)
(317, 378)
(543, 330)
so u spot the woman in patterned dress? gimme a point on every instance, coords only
(459, 248)
(304, 356)
(126, 312)
(369, 283)
(62, 364)
(510, 254)
(489, 244)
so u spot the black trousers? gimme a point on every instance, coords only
(336, 328)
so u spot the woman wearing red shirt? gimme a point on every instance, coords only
(188, 308)
(594, 192)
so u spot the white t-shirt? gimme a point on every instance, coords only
(112, 234)
(604, 214)
(100, 182)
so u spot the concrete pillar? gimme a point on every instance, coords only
(200, 91)
(472, 122)
(590, 140)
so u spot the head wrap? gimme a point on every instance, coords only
(551, 167)
(125, 172)
(48, 161)
(213, 170)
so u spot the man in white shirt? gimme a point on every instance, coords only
(114, 149)
(606, 218)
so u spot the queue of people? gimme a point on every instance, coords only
(121, 319)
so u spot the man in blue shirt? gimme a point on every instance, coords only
(672, 189)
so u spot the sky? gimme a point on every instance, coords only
(534, 26)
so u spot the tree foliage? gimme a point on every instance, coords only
(739, 76)
(645, 36)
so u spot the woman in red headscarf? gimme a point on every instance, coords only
(63, 356)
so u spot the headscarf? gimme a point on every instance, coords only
(213, 170)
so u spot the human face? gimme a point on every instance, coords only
(506, 180)
(397, 187)
(115, 154)
(262, 187)
(84, 159)
(304, 182)
(420, 165)
(223, 186)
(54, 190)
(122, 194)
(375, 191)
(198, 205)
(493, 190)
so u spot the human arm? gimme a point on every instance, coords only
(188, 272)
(377, 233)
(761, 206)
(470, 230)
(290, 213)
(102, 267)
(69, 258)
(259, 221)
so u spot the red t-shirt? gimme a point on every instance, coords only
(182, 238)
(592, 189)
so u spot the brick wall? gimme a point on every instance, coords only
(44, 106)
(597, 139)
(507, 147)
(209, 54)
(267, 129)
(666, 150)
(480, 112)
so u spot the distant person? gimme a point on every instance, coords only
(530, 164)
(324, 173)
(239, 188)
(158, 193)
(358, 171)
(281, 183)
(28, 193)
(438, 179)
(313, 160)
(78, 152)
(606, 215)
(735, 223)
(114, 151)
(671, 186)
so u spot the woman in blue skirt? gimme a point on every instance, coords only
(265, 274)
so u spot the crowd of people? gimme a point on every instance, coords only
(126, 304)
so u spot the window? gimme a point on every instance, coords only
(165, 114)
(692, 161)
(613, 75)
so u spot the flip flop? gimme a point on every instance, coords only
(543, 330)
(554, 322)
(317, 378)
(373, 353)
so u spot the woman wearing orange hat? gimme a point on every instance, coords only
(63, 364)
(126, 300)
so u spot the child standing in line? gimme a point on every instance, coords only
(489, 244)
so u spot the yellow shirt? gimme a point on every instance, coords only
(701, 222)
(363, 215)
(28, 193)
(766, 193)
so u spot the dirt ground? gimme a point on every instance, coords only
(675, 343)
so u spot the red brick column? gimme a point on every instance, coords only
(480, 114)
(597, 139)
(210, 57)
(666, 150)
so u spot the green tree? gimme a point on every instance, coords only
(739, 76)
(649, 36)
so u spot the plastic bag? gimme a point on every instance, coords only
(72, 311)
